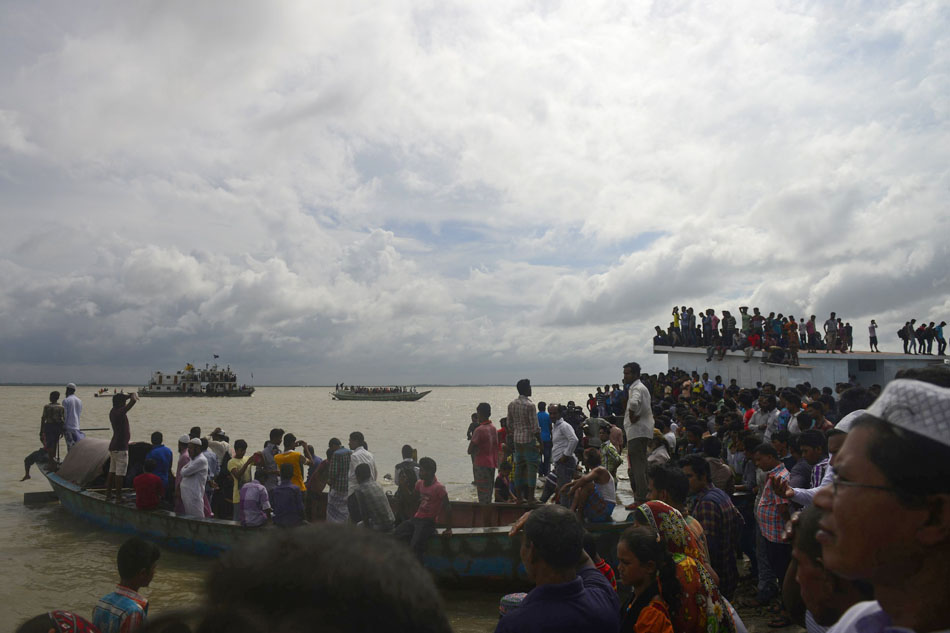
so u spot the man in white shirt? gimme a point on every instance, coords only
(765, 420)
(73, 406)
(563, 443)
(638, 425)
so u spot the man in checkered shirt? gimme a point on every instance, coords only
(526, 436)
(771, 512)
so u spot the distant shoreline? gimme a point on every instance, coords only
(101, 385)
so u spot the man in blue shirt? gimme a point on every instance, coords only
(162, 455)
(567, 596)
(544, 421)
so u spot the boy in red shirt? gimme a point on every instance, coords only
(433, 504)
(149, 489)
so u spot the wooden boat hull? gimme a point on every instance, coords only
(482, 557)
(379, 397)
(205, 537)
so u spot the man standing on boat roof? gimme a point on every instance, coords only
(526, 437)
(73, 406)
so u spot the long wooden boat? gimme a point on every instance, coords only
(205, 537)
(471, 556)
(383, 396)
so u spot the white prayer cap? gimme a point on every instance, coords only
(916, 406)
(184, 439)
(195, 441)
(71, 385)
(845, 423)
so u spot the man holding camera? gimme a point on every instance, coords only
(119, 446)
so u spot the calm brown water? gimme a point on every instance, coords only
(49, 559)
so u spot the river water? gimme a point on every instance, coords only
(49, 559)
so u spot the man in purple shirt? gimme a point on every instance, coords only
(119, 446)
(254, 507)
(288, 499)
(566, 597)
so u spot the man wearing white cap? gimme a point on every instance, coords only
(73, 406)
(194, 475)
(886, 516)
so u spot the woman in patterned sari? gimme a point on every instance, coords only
(703, 610)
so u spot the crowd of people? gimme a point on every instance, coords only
(779, 338)
(837, 498)
(920, 339)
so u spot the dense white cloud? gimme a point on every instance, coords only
(447, 192)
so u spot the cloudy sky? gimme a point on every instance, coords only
(457, 192)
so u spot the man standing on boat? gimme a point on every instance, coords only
(51, 425)
(267, 466)
(483, 448)
(73, 406)
(526, 437)
(638, 425)
(119, 446)
(193, 478)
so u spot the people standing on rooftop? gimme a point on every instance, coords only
(831, 334)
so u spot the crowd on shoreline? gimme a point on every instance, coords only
(780, 337)
(718, 472)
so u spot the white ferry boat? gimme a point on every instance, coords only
(211, 381)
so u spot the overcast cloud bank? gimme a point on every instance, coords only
(442, 192)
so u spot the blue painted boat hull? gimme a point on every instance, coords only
(469, 557)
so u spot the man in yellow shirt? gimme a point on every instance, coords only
(239, 468)
(295, 459)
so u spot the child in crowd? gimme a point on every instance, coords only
(503, 483)
(645, 565)
(590, 546)
(433, 505)
(124, 610)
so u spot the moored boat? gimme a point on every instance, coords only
(191, 382)
(471, 555)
